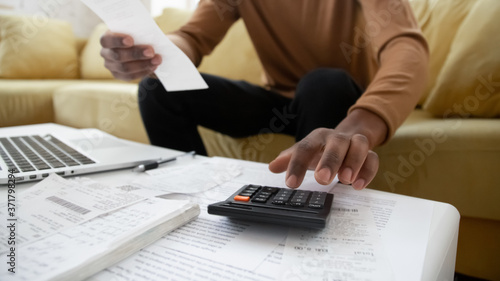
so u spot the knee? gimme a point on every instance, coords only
(323, 84)
(325, 78)
(148, 89)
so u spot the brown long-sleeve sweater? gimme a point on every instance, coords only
(377, 41)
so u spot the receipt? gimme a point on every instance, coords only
(349, 248)
(194, 178)
(55, 204)
(177, 72)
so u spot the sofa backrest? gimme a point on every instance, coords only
(464, 44)
(464, 76)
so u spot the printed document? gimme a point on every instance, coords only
(194, 177)
(349, 248)
(399, 219)
(81, 251)
(382, 225)
(56, 203)
(176, 72)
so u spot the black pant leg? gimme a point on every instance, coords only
(322, 99)
(235, 108)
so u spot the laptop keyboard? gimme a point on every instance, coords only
(31, 153)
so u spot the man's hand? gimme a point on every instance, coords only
(345, 151)
(125, 60)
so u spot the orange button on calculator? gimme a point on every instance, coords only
(241, 198)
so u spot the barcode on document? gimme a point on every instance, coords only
(68, 205)
(346, 210)
(128, 188)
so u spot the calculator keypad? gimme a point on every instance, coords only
(275, 205)
(281, 196)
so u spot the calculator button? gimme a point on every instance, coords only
(301, 195)
(300, 198)
(259, 200)
(247, 194)
(251, 188)
(270, 189)
(266, 193)
(241, 198)
(279, 202)
(302, 192)
(315, 206)
(284, 192)
(317, 200)
(319, 196)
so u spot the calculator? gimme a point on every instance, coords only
(299, 208)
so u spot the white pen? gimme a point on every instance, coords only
(154, 164)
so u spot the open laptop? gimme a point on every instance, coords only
(35, 151)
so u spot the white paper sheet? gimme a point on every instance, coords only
(176, 72)
(56, 203)
(399, 219)
(165, 261)
(349, 248)
(159, 263)
(221, 239)
(75, 247)
(191, 178)
(210, 241)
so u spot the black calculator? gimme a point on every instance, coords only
(299, 208)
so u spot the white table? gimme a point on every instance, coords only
(442, 239)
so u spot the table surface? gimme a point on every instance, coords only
(441, 249)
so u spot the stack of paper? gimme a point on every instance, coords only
(70, 231)
(359, 243)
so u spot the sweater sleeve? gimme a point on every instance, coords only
(205, 29)
(402, 55)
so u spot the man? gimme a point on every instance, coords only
(317, 57)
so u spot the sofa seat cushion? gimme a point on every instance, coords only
(437, 159)
(108, 106)
(28, 101)
(261, 148)
(448, 160)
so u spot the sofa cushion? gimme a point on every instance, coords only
(440, 21)
(37, 47)
(261, 148)
(449, 160)
(91, 62)
(28, 101)
(469, 82)
(109, 106)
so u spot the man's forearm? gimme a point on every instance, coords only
(367, 123)
(185, 47)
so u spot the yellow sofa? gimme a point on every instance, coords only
(46, 75)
